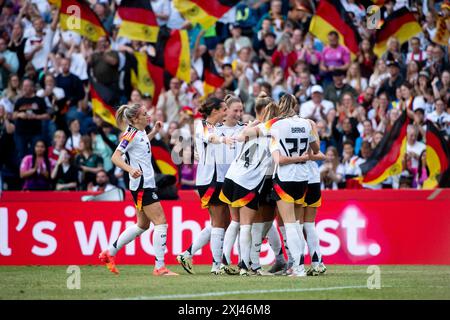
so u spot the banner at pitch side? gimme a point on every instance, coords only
(369, 227)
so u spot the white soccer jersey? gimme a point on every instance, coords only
(292, 136)
(254, 161)
(313, 172)
(205, 150)
(135, 145)
(225, 154)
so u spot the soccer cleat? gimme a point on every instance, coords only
(216, 271)
(277, 266)
(260, 272)
(109, 261)
(313, 270)
(244, 272)
(229, 269)
(163, 271)
(298, 271)
(186, 263)
(322, 268)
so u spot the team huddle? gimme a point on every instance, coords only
(247, 176)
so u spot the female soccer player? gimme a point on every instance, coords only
(291, 138)
(244, 181)
(135, 145)
(307, 214)
(206, 137)
(224, 154)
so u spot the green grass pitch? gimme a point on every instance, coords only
(136, 282)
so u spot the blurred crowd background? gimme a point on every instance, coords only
(50, 139)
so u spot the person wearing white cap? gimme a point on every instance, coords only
(316, 108)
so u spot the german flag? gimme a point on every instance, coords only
(163, 159)
(87, 24)
(203, 12)
(138, 20)
(438, 156)
(331, 16)
(99, 95)
(147, 77)
(386, 159)
(173, 53)
(211, 77)
(401, 24)
(442, 32)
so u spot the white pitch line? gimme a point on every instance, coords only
(227, 293)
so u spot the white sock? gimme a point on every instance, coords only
(229, 239)
(199, 242)
(245, 242)
(238, 239)
(216, 243)
(313, 242)
(255, 249)
(275, 243)
(128, 235)
(283, 233)
(293, 241)
(159, 244)
(302, 242)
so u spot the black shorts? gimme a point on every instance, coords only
(237, 196)
(209, 194)
(313, 196)
(265, 195)
(289, 191)
(144, 197)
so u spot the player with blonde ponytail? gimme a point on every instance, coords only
(135, 146)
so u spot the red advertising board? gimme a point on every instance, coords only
(368, 227)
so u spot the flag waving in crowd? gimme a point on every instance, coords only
(76, 15)
(138, 20)
(331, 16)
(386, 159)
(401, 24)
(205, 13)
(438, 156)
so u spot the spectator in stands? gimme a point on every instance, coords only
(104, 143)
(11, 93)
(70, 83)
(317, 108)
(65, 174)
(379, 74)
(17, 45)
(338, 88)
(29, 113)
(366, 58)
(331, 171)
(58, 145)
(105, 65)
(441, 87)
(54, 98)
(237, 41)
(7, 157)
(39, 45)
(35, 168)
(73, 140)
(414, 148)
(394, 80)
(171, 101)
(88, 163)
(354, 78)
(440, 117)
(9, 63)
(335, 57)
(102, 183)
(285, 57)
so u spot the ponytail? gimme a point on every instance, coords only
(127, 113)
(209, 105)
(287, 105)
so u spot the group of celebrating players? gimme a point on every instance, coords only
(249, 174)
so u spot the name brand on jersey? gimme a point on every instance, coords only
(298, 130)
